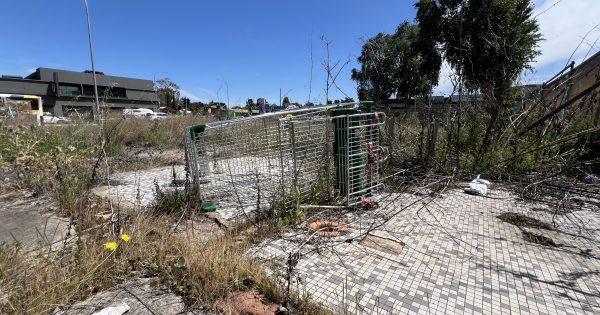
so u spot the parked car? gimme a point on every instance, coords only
(48, 118)
(156, 116)
(160, 115)
(137, 112)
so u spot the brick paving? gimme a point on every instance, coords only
(457, 258)
(137, 188)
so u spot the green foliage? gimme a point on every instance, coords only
(269, 289)
(152, 265)
(513, 153)
(291, 217)
(488, 42)
(173, 201)
(168, 93)
(393, 64)
(157, 134)
(428, 39)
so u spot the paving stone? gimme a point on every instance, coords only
(458, 257)
(138, 188)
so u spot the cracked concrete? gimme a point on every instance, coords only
(29, 220)
(143, 296)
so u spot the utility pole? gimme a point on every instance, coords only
(97, 107)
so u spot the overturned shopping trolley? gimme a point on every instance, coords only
(305, 155)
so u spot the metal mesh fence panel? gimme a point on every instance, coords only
(251, 163)
(358, 153)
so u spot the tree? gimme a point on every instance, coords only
(250, 104)
(185, 102)
(393, 64)
(488, 42)
(168, 93)
(375, 77)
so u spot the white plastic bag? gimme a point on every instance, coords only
(114, 310)
(478, 186)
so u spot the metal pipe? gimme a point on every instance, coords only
(87, 13)
(563, 106)
(319, 206)
(570, 65)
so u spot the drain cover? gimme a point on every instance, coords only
(328, 228)
(383, 245)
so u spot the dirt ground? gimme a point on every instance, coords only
(31, 220)
(249, 302)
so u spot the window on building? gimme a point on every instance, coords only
(105, 91)
(115, 92)
(88, 90)
(67, 90)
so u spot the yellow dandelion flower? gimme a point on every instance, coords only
(289, 115)
(111, 245)
(125, 237)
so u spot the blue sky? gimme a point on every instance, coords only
(250, 48)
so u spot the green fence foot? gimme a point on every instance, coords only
(208, 206)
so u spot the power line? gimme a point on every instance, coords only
(548, 9)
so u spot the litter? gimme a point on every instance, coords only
(478, 187)
(114, 310)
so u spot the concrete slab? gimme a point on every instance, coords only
(29, 220)
(137, 188)
(140, 295)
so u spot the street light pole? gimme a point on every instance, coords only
(87, 13)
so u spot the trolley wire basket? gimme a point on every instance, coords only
(310, 154)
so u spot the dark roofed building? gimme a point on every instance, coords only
(63, 91)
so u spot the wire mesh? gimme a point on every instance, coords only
(359, 154)
(251, 163)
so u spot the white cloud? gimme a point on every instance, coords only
(193, 97)
(563, 25)
(445, 86)
(212, 95)
(199, 95)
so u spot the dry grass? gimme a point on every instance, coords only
(68, 156)
(37, 282)
(65, 162)
(159, 133)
